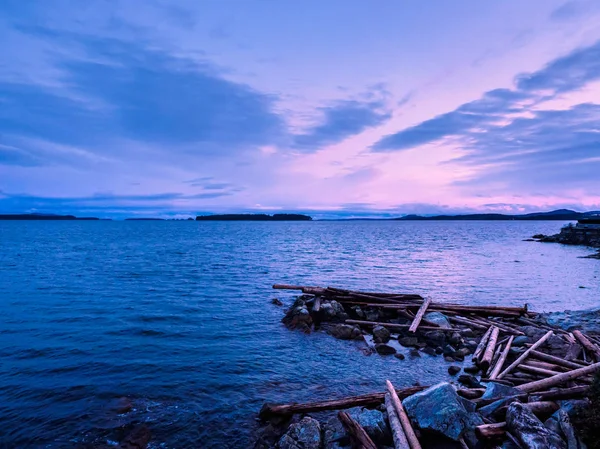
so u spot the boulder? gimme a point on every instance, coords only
(439, 409)
(439, 319)
(429, 351)
(529, 430)
(373, 421)
(414, 352)
(359, 312)
(496, 390)
(345, 332)
(333, 311)
(455, 339)
(453, 370)
(434, 338)
(469, 380)
(409, 342)
(305, 434)
(399, 356)
(489, 410)
(471, 369)
(298, 317)
(372, 314)
(520, 340)
(534, 332)
(381, 334)
(384, 349)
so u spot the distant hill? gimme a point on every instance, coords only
(254, 217)
(47, 217)
(559, 215)
(144, 219)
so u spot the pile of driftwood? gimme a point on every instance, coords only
(548, 364)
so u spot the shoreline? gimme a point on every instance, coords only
(494, 337)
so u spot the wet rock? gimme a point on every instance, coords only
(556, 346)
(469, 406)
(333, 311)
(298, 317)
(534, 332)
(439, 350)
(305, 434)
(449, 350)
(453, 370)
(138, 438)
(381, 334)
(345, 332)
(276, 301)
(399, 356)
(464, 352)
(455, 339)
(121, 405)
(469, 381)
(495, 390)
(588, 321)
(529, 430)
(439, 409)
(471, 369)
(429, 351)
(438, 318)
(384, 349)
(458, 356)
(435, 338)
(414, 352)
(408, 341)
(449, 358)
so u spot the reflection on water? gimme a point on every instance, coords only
(177, 316)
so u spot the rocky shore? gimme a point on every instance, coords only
(574, 235)
(527, 384)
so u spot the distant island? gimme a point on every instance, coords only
(45, 217)
(558, 215)
(254, 217)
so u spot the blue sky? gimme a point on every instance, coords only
(171, 108)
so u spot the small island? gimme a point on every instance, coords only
(254, 217)
(558, 215)
(43, 217)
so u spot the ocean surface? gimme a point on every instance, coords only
(177, 316)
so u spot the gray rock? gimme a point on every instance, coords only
(489, 410)
(495, 390)
(449, 350)
(529, 430)
(469, 406)
(455, 339)
(372, 314)
(435, 338)
(469, 380)
(585, 320)
(359, 312)
(453, 370)
(414, 352)
(345, 332)
(381, 334)
(534, 332)
(439, 319)
(373, 421)
(449, 358)
(556, 345)
(429, 351)
(399, 356)
(439, 409)
(384, 349)
(333, 311)
(305, 434)
(468, 333)
(471, 369)
(409, 342)
(520, 340)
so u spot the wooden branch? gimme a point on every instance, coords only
(467, 322)
(562, 393)
(486, 359)
(365, 400)
(482, 345)
(400, 441)
(489, 431)
(398, 326)
(356, 431)
(413, 441)
(523, 356)
(288, 287)
(587, 344)
(502, 359)
(502, 326)
(556, 360)
(419, 316)
(542, 372)
(559, 378)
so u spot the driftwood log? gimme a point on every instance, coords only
(413, 441)
(400, 441)
(523, 356)
(559, 378)
(500, 363)
(356, 431)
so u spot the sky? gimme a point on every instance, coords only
(339, 108)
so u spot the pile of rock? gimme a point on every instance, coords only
(526, 378)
